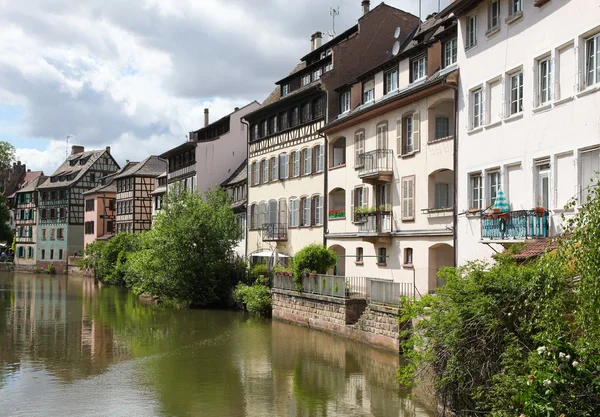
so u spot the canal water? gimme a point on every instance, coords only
(71, 347)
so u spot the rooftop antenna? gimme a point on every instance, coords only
(333, 12)
(67, 148)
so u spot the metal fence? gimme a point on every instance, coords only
(283, 282)
(521, 224)
(330, 285)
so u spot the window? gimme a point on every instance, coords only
(283, 121)
(382, 256)
(516, 6)
(253, 216)
(295, 117)
(542, 197)
(89, 228)
(317, 205)
(265, 170)
(285, 89)
(390, 81)
(494, 185)
(256, 173)
(305, 79)
(284, 166)
(43, 254)
(30, 252)
(592, 60)
(316, 75)
(493, 14)
(52, 234)
(89, 205)
(408, 198)
(345, 102)
(544, 80)
(320, 158)
(368, 90)
(516, 93)
(475, 192)
(358, 198)
(442, 195)
(293, 213)
(307, 161)
(476, 108)
(319, 108)
(60, 234)
(408, 256)
(359, 148)
(254, 135)
(305, 115)
(450, 52)
(274, 169)
(51, 254)
(305, 207)
(442, 127)
(295, 164)
(328, 67)
(43, 234)
(111, 204)
(471, 36)
(407, 134)
(272, 125)
(382, 139)
(590, 165)
(60, 254)
(418, 68)
(359, 255)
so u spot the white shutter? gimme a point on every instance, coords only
(308, 162)
(274, 169)
(404, 198)
(282, 211)
(565, 175)
(416, 129)
(365, 202)
(535, 86)
(411, 199)
(399, 136)
(351, 214)
(291, 214)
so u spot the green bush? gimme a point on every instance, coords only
(260, 269)
(51, 270)
(256, 298)
(314, 258)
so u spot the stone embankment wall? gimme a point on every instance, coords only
(352, 318)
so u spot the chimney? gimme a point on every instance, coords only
(366, 5)
(77, 149)
(236, 109)
(108, 150)
(205, 117)
(315, 41)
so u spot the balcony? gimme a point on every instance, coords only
(376, 166)
(514, 226)
(274, 232)
(375, 227)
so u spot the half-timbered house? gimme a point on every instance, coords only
(60, 229)
(158, 195)
(26, 220)
(237, 187)
(287, 153)
(134, 195)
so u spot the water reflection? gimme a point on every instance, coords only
(71, 347)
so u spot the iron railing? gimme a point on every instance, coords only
(375, 223)
(274, 232)
(515, 225)
(375, 162)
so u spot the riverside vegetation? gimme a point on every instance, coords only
(514, 339)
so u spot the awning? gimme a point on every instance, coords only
(268, 254)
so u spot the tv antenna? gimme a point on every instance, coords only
(333, 12)
(67, 146)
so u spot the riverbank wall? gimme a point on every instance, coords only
(376, 325)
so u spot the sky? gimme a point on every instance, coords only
(136, 75)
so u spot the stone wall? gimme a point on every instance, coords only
(375, 325)
(58, 266)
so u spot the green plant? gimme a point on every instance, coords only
(314, 258)
(385, 207)
(259, 270)
(51, 270)
(278, 269)
(256, 298)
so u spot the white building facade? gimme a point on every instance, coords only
(529, 117)
(390, 180)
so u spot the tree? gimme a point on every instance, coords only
(7, 155)
(109, 259)
(184, 257)
(314, 258)
(6, 234)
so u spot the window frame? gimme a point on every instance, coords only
(345, 103)
(471, 32)
(382, 256)
(390, 81)
(476, 92)
(475, 182)
(518, 100)
(437, 135)
(515, 7)
(594, 41)
(452, 53)
(305, 80)
(491, 17)
(544, 97)
(492, 189)
(418, 68)
(359, 255)
(408, 258)
(359, 140)
(368, 95)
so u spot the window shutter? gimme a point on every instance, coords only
(411, 198)
(291, 213)
(351, 214)
(416, 129)
(314, 155)
(535, 86)
(282, 211)
(399, 136)
(365, 202)
(313, 209)
(308, 210)
(275, 169)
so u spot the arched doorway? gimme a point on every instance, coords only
(440, 255)
(340, 253)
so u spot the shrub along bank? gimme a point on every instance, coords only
(516, 340)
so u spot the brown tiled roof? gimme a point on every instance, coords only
(535, 248)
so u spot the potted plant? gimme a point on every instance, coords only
(539, 211)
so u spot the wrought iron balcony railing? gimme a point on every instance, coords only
(274, 232)
(375, 163)
(379, 222)
(515, 225)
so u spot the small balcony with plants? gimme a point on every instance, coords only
(374, 223)
(376, 166)
(515, 226)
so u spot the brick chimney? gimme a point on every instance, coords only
(315, 41)
(366, 6)
(205, 117)
(108, 150)
(75, 149)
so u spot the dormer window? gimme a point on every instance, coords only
(391, 81)
(328, 67)
(305, 79)
(450, 48)
(345, 102)
(369, 90)
(418, 66)
(285, 90)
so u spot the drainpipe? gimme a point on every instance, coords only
(247, 183)
(325, 195)
(456, 179)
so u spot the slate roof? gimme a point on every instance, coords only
(276, 94)
(535, 248)
(152, 166)
(79, 170)
(239, 175)
(109, 181)
(32, 180)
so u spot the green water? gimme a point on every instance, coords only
(70, 347)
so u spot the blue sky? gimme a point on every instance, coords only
(136, 75)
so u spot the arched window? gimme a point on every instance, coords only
(294, 212)
(305, 211)
(274, 169)
(284, 166)
(317, 210)
(306, 161)
(265, 170)
(295, 164)
(319, 158)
